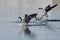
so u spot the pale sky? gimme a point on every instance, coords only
(21, 7)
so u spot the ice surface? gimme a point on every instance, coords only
(12, 31)
(11, 10)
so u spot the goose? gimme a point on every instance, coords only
(26, 20)
(47, 9)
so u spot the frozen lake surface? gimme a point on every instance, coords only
(11, 31)
(10, 10)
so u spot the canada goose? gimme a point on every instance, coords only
(26, 20)
(47, 9)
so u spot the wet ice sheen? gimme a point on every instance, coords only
(11, 31)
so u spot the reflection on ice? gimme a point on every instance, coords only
(14, 31)
(27, 36)
(10, 31)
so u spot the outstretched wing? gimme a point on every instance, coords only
(48, 8)
(33, 15)
(27, 20)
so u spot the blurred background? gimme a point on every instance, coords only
(10, 10)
